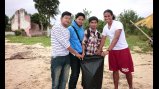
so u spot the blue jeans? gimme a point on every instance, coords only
(60, 66)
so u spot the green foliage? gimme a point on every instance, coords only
(48, 8)
(125, 18)
(134, 40)
(40, 19)
(7, 25)
(147, 31)
(35, 18)
(87, 13)
(101, 25)
(18, 32)
(6, 20)
(86, 24)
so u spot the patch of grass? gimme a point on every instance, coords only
(29, 40)
(134, 40)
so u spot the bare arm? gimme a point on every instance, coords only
(83, 49)
(74, 52)
(102, 42)
(101, 45)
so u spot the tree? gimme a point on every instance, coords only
(6, 20)
(125, 18)
(35, 18)
(100, 26)
(47, 8)
(40, 19)
(7, 24)
(87, 13)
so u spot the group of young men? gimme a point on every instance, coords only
(70, 45)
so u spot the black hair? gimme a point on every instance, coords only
(109, 11)
(66, 13)
(93, 18)
(79, 14)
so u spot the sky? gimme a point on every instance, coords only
(142, 7)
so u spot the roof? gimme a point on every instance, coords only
(148, 22)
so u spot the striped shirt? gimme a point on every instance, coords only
(60, 40)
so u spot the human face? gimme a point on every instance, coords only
(66, 20)
(80, 20)
(108, 17)
(93, 24)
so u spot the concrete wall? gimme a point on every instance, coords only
(21, 20)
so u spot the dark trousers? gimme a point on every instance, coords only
(75, 71)
(60, 66)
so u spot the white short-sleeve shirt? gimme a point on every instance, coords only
(122, 43)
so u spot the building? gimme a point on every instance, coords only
(21, 20)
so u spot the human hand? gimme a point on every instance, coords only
(83, 54)
(98, 52)
(104, 53)
(79, 56)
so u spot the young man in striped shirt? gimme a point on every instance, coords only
(60, 60)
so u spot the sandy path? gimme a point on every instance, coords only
(34, 72)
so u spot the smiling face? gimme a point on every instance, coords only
(66, 20)
(108, 17)
(80, 20)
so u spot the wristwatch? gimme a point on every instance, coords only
(73, 54)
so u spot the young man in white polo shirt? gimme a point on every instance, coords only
(60, 60)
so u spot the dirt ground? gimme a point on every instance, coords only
(33, 70)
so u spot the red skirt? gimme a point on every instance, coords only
(121, 60)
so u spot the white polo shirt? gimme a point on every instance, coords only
(122, 43)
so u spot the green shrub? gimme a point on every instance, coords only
(18, 32)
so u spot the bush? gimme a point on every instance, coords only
(145, 30)
(17, 32)
(23, 33)
(20, 32)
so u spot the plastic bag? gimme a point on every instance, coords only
(92, 72)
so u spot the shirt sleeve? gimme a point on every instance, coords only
(85, 37)
(119, 25)
(62, 37)
(104, 31)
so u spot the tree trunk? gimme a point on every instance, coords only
(48, 27)
(41, 25)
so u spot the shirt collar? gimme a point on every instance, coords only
(95, 31)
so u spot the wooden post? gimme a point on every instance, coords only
(142, 31)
